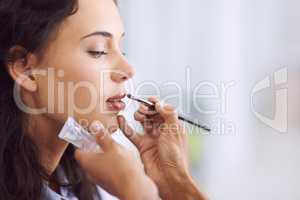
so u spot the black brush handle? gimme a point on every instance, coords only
(152, 107)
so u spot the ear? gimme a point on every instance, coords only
(21, 68)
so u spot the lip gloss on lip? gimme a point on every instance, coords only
(152, 107)
(115, 103)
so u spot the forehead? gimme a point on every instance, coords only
(93, 15)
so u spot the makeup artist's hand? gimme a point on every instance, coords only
(117, 170)
(163, 151)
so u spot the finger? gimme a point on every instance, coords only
(102, 136)
(153, 99)
(139, 116)
(148, 122)
(151, 129)
(156, 119)
(168, 112)
(90, 162)
(85, 158)
(146, 110)
(185, 142)
(129, 132)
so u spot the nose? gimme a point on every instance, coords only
(123, 71)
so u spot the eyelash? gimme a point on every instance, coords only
(97, 54)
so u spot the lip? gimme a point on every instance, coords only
(116, 97)
(115, 102)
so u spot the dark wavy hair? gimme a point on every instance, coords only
(29, 23)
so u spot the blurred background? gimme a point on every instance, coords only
(233, 65)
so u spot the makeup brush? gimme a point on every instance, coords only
(152, 107)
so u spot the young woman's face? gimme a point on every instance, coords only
(86, 66)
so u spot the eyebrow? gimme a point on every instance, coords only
(101, 33)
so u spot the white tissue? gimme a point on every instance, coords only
(75, 134)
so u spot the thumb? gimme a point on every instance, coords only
(85, 158)
(102, 136)
(92, 163)
(129, 132)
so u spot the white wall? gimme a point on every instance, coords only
(234, 40)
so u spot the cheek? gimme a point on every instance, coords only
(81, 86)
(76, 82)
(78, 90)
(84, 85)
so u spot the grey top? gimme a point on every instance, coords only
(65, 194)
(49, 194)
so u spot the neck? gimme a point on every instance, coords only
(44, 132)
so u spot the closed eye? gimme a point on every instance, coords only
(97, 54)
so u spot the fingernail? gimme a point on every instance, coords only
(96, 127)
(120, 118)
